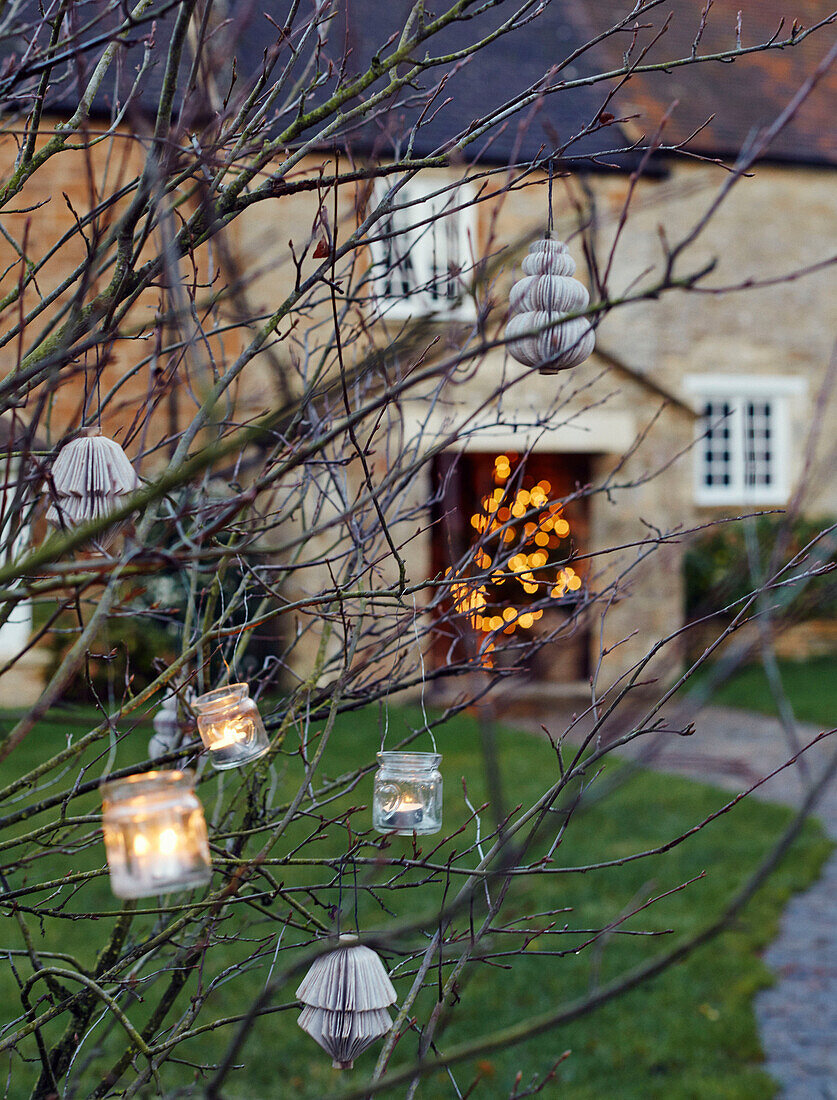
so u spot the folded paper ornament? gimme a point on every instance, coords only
(90, 477)
(345, 996)
(166, 728)
(538, 302)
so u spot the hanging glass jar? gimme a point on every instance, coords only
(230, 726)
(155, 834)
(408, 793)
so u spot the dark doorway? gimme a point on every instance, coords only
(507, 534)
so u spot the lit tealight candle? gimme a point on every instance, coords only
(231, 733)
(230, 726)
(155, 834)
(407, 796)
(157, 857)
(408, 813)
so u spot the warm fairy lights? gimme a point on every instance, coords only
(527, 521)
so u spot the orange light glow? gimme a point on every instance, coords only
(542, 531)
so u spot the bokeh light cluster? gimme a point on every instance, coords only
(518, 531)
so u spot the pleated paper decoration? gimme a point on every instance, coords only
(90, 475)
(345, 995)
(166, 728)
(545, 294)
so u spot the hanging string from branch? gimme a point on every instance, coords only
(550, 221)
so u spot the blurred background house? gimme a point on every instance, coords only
(693, 406)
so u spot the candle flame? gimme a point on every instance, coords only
(229, 734)
(407, 802)
(168, 842)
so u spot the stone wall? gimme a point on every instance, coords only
(140, 370)
(780, 221)
(777, 222)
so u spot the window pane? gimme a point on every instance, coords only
(742, 456)
(455, 261)
(440, 240)
(421, 260)
(717, 453)
(397, 274)
(759, 449)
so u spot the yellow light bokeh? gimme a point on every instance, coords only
(496, 521)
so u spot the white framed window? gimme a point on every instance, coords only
(17, 627)
(742, 455)
(423, 250)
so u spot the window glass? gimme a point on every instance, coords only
(739, 457)
(717, 464)
(759, 443)
(422, 250)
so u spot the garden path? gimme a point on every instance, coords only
(798, 1014)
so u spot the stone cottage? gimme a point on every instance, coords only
(695, 405)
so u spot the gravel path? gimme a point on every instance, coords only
(798, 1015)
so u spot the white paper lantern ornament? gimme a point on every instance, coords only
(537, 303)
(90, 476)
(166, 728)
(345, 995)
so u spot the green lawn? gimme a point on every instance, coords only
(689, 1034)
(810, 686)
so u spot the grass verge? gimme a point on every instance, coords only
(689, 1034)
(810, 687)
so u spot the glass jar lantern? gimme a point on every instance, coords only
(155, 834)
(230, 726)
(408, 793)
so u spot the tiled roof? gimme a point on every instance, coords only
(500, 71)
(503, 69)
(741, 96)
(744, 96)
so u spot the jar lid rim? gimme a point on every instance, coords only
(394, 756)
(218, 694)
(170, 776)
